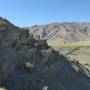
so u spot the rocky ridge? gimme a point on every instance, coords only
(46, 67)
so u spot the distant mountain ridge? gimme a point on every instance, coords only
(63, 33)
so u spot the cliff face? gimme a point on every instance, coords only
(24, 66)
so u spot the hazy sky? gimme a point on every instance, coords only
(30, 12)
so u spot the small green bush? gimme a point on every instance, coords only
(29, 66)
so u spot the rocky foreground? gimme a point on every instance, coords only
(29, 64)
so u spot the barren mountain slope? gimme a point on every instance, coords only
(64, 33)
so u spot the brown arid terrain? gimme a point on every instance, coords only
(64, 33)
(27, 62)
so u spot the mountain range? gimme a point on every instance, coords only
(27, 64)
(64, 33)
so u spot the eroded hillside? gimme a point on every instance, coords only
(64, 33)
